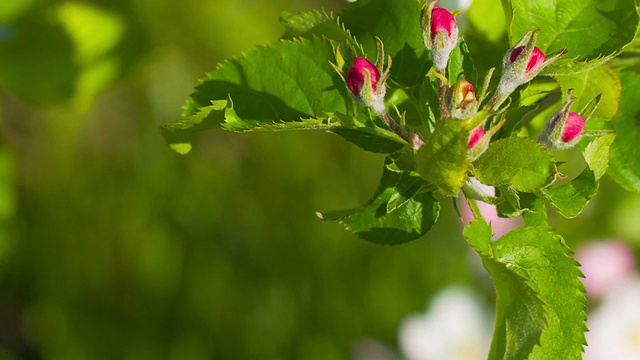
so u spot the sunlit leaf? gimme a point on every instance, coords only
(540, 299)
(624, 163)
(604, 28)
(519, 162)
(396, 214)
(569, 199)
(443, 159)
(587, 85)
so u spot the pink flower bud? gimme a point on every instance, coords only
(441, 20)
(564, 129)
(520, 65)
(439, 34)
(572, 127)
(462, 100)
(356, 76)
(475, 136)
(536, 58)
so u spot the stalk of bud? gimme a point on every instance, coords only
(520, 65)
(462, 102)
(439, 34)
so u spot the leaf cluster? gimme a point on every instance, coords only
(292, 85)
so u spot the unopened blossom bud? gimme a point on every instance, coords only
(572, 127)
(462, 101)
(564, 129)
(439, 34)
(475, 136)
(536, 58)
(356, 76)
(478, 142)
(520, 65)
(365, 84)
(479, 139)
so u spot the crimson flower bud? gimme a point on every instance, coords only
(572, 127)
(439, 34)
(366, 85)
(564, 129)
(520, 65)
(536, 58)
(475, 136)
(462, 101)
(478, 142)
(356, 75)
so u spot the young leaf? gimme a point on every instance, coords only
(443, 159)
(540, 299)
(587, 85)
(397, 213)
(624, 163)
(605, 27)
(596, 154)
(519, 162)
(460, 63)
(535, 213)
(510, 204)
(570, 198)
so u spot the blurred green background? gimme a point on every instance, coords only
(114, 247)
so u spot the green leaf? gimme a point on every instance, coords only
(488, 18)
(397, 24)
(586, 85)
(305, 23)
(178, 134)
(398, 212)
(604, 28)
(314, 24)
(460, 63)
(288, 85)
(375, 140)
(570, 198)
(597, 154)
(510, 204)
(529, 205)
(624, 156)
(519, 162)
(443, 160)
(535, 213)
(284, 81)
(540, 299)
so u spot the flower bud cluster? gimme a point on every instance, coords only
(366, 82)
